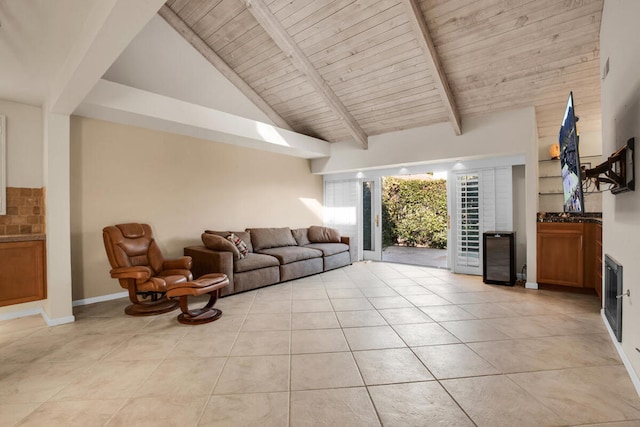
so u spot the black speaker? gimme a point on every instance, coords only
(499, 257)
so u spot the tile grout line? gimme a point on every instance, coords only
(364, 383)
(224, 364)
(436, 379)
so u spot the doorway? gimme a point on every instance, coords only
(371, 213)
(467, 222)
(415, 219)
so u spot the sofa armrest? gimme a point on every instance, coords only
(347, 241)
(207, 261)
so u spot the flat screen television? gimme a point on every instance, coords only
(570, 161)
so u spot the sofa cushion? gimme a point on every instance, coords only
(264, 238)
(329, 249)
(301, 236)
(239, 244)
(254, 261)
(219, 243)
(323, 235)
(244, 235)
(289, 254)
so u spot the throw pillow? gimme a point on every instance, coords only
(323, 234)
(219, 243)
(244, 235)
(239, 244)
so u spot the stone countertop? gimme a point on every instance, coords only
(22, 237)
(590, 217)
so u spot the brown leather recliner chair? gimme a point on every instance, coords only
(138, 264)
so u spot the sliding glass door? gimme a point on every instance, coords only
(370, 220)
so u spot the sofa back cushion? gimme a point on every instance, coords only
(301, 236)
(265, 238)
(323, 235)
(244, 235)
(219, 243)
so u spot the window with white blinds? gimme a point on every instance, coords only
(341, 208)
(467, 252)
(484, 202)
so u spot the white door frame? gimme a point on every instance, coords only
(376, 219)
(453, 241)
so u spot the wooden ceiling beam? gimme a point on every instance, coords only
(201, 46)
(419, 24)
(279, 34)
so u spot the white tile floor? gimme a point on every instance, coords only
(370, 344)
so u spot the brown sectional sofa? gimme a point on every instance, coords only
(273, 255)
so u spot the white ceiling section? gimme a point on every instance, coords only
(123, 104)
(159, 60)
(35, 39)
(53, 52)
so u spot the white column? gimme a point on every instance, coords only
(56, 129)
(531, 207)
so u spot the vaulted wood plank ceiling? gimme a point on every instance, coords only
(348, 69)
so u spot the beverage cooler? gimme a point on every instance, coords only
(499, 257)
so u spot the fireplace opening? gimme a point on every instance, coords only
(613, 295)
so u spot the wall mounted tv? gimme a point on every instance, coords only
(570, 160)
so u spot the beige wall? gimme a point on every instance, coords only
(180, 186)
(24, 144)
(620, 44)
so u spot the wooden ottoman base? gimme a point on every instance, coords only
(207, 284)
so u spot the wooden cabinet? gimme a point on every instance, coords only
(568, 254)
(22, 272)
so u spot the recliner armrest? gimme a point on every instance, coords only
(182, 263)
(137, 273)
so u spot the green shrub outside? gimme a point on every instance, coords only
(414, 212)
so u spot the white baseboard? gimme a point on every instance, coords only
(531, 285)
(625, 360)
(35, 311)
(101, 298)
(22, 313)
(61, 320)
(58, 320)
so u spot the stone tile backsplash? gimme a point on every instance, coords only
(25, 212)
